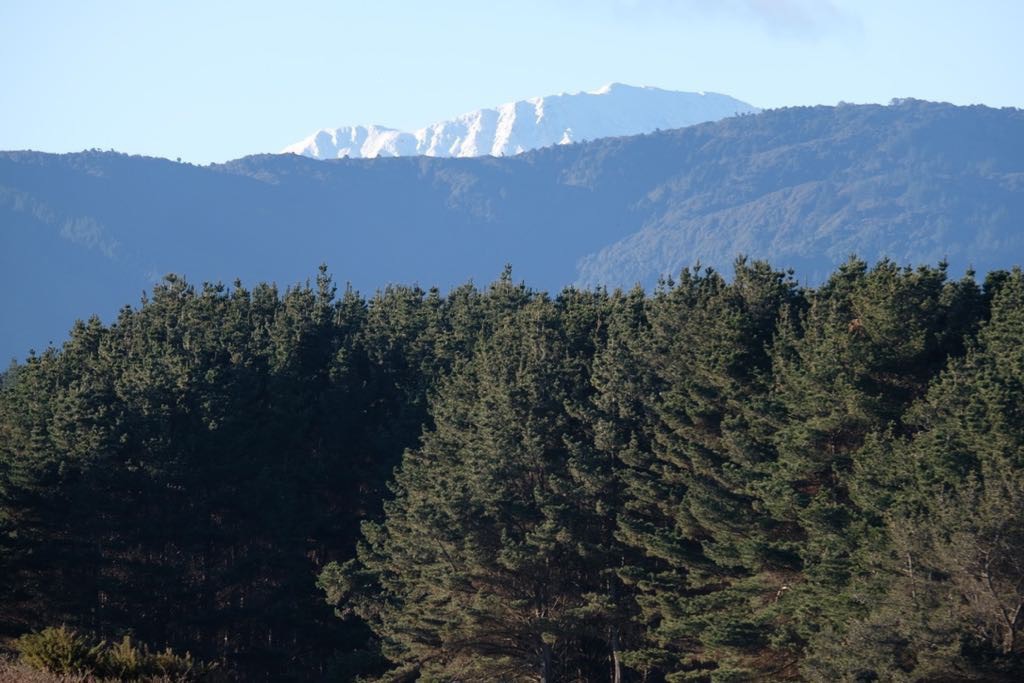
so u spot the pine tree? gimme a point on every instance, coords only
(694, 476)
(951, 499)
(865, 351)
(492, 559)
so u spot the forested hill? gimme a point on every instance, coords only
(804, 187)
(720, 481)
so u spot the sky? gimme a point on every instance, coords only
(207, 81)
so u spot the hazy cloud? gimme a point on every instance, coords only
(802, 18)
(801, 15)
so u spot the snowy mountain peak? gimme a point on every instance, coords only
(612, 110)
(609, 87)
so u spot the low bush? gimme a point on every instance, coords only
(74, 656)
(60, 650)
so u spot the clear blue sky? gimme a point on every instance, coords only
(211, 80)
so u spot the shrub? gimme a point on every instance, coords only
(63, 651)
(60, 650)
(177, 667)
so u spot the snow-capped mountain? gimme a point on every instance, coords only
(613, 110)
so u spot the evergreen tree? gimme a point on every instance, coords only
(950, 495)
(693, 479)
(727, 480)
(492, 560)
(865, 351)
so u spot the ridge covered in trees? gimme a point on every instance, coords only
(727, 479)
(802, 187)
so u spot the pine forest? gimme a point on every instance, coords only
(730, 477)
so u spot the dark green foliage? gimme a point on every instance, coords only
(692, 489)
(188, 470)
(950, 497)
(496, 559)
(865, 351)
(726, 480)
(753, 505)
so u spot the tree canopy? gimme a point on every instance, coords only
(726, 479)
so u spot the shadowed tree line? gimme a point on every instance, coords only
(723, 480)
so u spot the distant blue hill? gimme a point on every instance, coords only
(804, 187)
